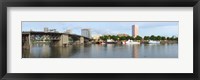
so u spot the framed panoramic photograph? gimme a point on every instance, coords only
(99, 39)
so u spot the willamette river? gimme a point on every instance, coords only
(103, 51)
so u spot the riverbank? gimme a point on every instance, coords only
(161, 41)
(140, 41)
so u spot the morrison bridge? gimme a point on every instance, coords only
(54, 38)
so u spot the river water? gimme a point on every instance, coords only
(102, 51)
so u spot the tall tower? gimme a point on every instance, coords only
(86, 33)
(46, 29)
(135, 29)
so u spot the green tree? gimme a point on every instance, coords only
(158, 38)
(138, 38)
(129, 37)
(122, 38)
(152, 37)
(176, 38)
(168, 38)
(146, 37)
(163, 38)
(105, 37)
(113, 37)
(172, 38)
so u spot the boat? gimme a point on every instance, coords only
(110, 41)
(103, 43)
(131, 42)
(154, 42)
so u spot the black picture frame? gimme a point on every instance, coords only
(98, 3)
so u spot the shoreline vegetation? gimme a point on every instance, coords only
(145, 39)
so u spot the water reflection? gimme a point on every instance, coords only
(135, 51)
(102, 51)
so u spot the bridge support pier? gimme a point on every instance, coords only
(26, 41)
(64, 41)
(81, 40)
(30, 42)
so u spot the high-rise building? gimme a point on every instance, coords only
(86, 33)
(46, 29)
(135, 29)
(68, 31)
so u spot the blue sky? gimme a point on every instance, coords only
(101, 28)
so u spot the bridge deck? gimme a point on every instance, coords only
(50, 33)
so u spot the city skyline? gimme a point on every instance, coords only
(107, 28)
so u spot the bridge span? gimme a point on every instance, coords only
(54, 38)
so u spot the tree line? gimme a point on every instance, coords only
(152, 37)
